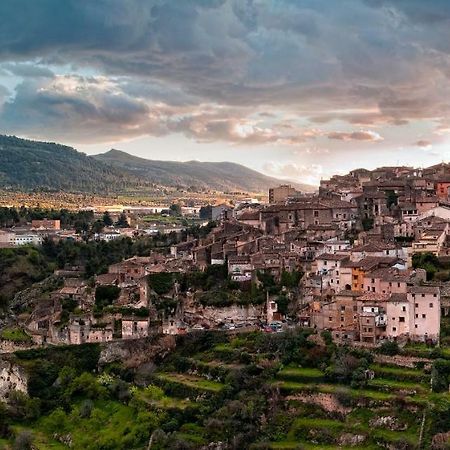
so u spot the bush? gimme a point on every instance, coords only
(105, 296)
(390, 348)
(23, 441)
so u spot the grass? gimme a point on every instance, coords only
(294, 445)
(16, 335)
(300, 374)
(192, 381)
(398, 372)
(393, 385)
(164, 402)
(161, 219)
(292, 387)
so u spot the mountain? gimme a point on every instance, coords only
(30, 165)
(26, 164)
(221, 176)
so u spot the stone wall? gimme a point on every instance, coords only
(226, 314)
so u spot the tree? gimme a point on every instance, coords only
(107, 219)
(122, 222)
(205, 212)
(105, 296)
(97, 226)
(175, 210)
(391, 198)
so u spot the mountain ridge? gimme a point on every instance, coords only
(30, 165)
(195, 173)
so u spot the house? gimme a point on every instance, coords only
(328, 268)
(240, 268)
(7, 239)
(46, 224)
(282, 193)
(135, 327)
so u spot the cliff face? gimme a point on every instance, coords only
(12, 378)
(135, 353)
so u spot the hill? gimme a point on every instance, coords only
(35, 165)
(26, 165)
(221, 176)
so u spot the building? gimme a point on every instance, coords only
(46, 224)
(282, 193)
(135, 327)
(27, 238)
(7, 239)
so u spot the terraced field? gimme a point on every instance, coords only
(387, 411)
(253, 392)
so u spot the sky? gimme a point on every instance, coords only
(298, 89)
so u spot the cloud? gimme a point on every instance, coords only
(27, 70)
(371, 136)
(310, 174)
(74, 108)
(369, 63)
(424, 144)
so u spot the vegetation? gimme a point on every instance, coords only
(435, 267)
(21, 267)
(28, 164)
(194, 175)
(16, 335)
(251, 391)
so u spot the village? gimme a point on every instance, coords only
(348, 253)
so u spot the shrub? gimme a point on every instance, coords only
(390, 348)
(24, 440)
(105, 296)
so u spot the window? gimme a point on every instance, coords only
(398, 284)
(415, 326)
(342, 318)
(417, 316)
(394, 328)
(424, 316)
(316, 213)
(416, 305)
(330, 319)
(401, 319)
(367, 321)
(342, 308)
(403, 308)
(431, 305)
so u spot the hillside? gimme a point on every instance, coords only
(26, 164)
(35, 165)
(248, 391)
(221, 176)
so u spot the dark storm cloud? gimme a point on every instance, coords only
(362, 62)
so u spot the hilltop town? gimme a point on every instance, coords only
(355, 259)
